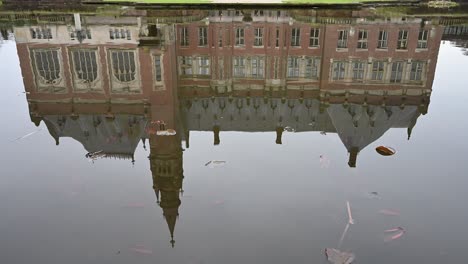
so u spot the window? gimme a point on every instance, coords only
(239, 66)
(258, 13)
(258, 41)
(85, 65)
(311, 68)
(220, 38)
(41, 33)
(382, 42)
(397, 72)
(362, 39)
(358, 70)
(239, 37)
(202, 36)
(402, 43)
(119, 33)
(277, 37)
(123, 65)
(295, 37)
(158, 68)
(293, 66)
(47, 65)
(338, 70)
(416, 71)
(422, 39)
(377, 70)
(314, 37)
(184, 37)
(203, 65)
(186, 65)
(276, 68)
(257, 65)
(342, 39)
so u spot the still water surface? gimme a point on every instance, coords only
(297, 126)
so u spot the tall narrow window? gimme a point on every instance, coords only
(402, 43)
(184, 37)
(186, 65)
(382, 42)
(422, 39)
(47, 65)
(240, 37)
(277, 37)
(293, 66)
(342, 39)
(416, 71)
(123, 65)
(295, 37)
(397, 72)
(311, 68)
(220, 38)
(203, 65)
(202, 36)
(257, 65)
(258, 41)
(276, 68)
(377, 70)
(314, 37)
(358, 70)
(338, 70)
(158, 68)
(85, 65)
(239, 66)
(362, 39)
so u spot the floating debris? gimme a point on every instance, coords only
(345, 231)
(389, 212)
(289, 129)
(373, 195)
(215, 163)
(167, 132)
(397, 233)
(323, 133)
(385, 151)
(350, 217)
(324, 162)
(337, 257)
(27, 135)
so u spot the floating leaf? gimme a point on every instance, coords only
(337, 257)
(385, 151)
(215, 163)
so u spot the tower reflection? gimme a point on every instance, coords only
(103, 80)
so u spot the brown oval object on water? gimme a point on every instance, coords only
(385, 151)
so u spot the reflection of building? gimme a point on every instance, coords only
(102, 80)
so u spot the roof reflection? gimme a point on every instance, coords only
(102, 80)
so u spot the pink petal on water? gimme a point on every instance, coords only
(142, 250)
(389, 212)
(394, 230)
(400, 234)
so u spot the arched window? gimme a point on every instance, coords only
(47, 65)
(85, 65)
(123, 65)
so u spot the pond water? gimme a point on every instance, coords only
(277, 116)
